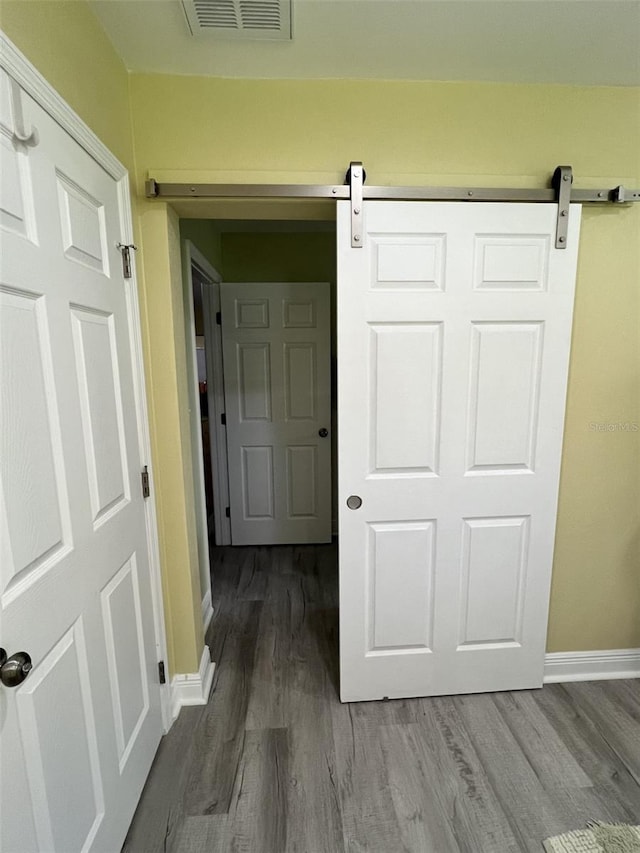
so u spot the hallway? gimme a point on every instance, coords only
(275, 763)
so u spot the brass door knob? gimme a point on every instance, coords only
(14, 669)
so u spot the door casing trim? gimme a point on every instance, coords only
(218, 446)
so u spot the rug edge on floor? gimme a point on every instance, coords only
(598, 838)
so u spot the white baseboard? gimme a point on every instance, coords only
(591, 666)
(192, 688)
(207, 610)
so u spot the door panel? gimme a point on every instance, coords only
(405, 428)
(302, 476)
(79, 734)
(126, 655)
(254, 381)
(395, 549)
(300, 386)
(257, 482)
(61, 680)
(454, 323)
(505, 365)
(276, 348)
(101, 410)
(494, 563)
(83, 225)
(38, 519)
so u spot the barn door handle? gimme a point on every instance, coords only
(15, 669)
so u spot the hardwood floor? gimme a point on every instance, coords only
(276, 764)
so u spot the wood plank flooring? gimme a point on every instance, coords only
(276, 764)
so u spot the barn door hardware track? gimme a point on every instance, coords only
(561, 191)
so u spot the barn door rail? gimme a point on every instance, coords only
(561, 191)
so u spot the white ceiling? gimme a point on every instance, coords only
(584, 42)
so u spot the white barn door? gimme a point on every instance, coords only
(454, 327)
(277, 375)
(78, 735)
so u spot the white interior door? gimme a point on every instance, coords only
(454, 326)
(79, 734)
(276, 346)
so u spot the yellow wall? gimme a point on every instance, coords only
(296, 256)
(408, 132)
(167, 391)
(397, 128)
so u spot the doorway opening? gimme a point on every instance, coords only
(285, 269)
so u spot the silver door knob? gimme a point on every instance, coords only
(323, 433)
(15, 669)
(354, 501)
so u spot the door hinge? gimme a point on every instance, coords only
(161, 672)
(223, 419)
(125, 249)
(219, 317)
(146, 488)
(227, 512)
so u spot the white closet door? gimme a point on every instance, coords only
(276, 345)
(79, 734)
(454, 326)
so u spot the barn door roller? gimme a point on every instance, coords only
(355, 190)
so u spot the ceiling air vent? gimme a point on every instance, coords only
(239, 19)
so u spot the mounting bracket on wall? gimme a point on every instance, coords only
(561, 191)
